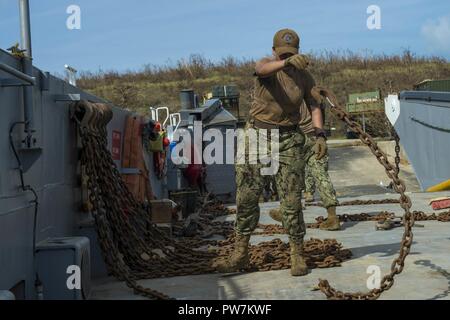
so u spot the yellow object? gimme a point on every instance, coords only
(207, 96)
(440, 187)
(158, 144)
(16, 51)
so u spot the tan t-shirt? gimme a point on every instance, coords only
(305, 123)
(277, 98)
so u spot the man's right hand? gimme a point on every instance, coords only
(298, 61)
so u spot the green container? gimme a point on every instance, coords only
(365, 102)
(365, 107)
(364, 97)
(434, 85)
(158, 144)
(230, 91)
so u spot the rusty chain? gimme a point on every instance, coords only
(405, 202)
(418, 216)
(397, 152)
(357, 202)
(265, 256)
(133, 248)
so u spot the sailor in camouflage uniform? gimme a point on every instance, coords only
(282, 85)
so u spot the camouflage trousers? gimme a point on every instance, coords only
(316, 174)
(289, 180)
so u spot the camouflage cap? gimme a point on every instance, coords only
(286, 41)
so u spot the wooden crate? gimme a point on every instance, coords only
(161, 211)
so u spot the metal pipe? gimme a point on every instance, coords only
(27, 63)
(187, 98)
(20, 75)
(25, 27)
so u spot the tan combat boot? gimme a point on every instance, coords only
(298, 264)
(332, 222)
(309, 197)
(276, 215)
(239, 258)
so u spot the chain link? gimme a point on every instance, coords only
(397, 152)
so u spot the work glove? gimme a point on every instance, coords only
(298, 61)
(320, 147)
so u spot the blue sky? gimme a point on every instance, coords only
(123, 35)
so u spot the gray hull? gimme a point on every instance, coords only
(422, 120)
(53, 175)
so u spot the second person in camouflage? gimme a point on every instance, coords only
(316, 174)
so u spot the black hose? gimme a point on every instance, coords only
(26, 188)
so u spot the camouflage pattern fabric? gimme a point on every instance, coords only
(289, 181)
(310, 184)
(316, 175)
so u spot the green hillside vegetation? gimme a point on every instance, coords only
(343, 73)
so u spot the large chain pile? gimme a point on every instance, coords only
(133, 248)
(275, 255)
(269, 255)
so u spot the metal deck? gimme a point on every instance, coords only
(426, 274)
(356, 175)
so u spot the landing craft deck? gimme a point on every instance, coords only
(425, 275)
(363, 180)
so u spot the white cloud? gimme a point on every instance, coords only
(437, 33)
